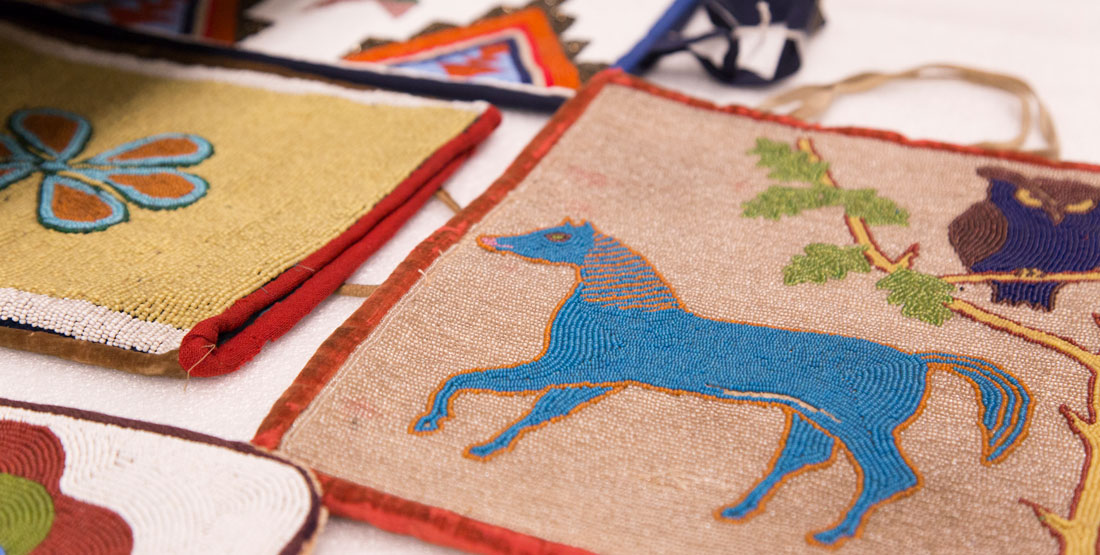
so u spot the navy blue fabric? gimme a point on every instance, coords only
(672, 21)
(802, 15)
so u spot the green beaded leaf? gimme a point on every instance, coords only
(921, 296)
(788, 164)
(26, 514)
(823, 262)
(873, 209)
(777, 201)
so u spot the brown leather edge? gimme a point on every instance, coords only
(134, 362)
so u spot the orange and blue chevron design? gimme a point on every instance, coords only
(519, 47)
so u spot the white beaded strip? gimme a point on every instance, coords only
(87, 321)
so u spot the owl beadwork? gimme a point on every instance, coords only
(1029, 226)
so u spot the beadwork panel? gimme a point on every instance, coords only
(702, 329)
(242, 160)
(78, 482)
(539, 48)
(140, 199)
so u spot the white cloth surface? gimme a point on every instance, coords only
(1050, 44)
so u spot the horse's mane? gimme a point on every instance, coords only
(614, 275)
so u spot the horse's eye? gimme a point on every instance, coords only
(558, 236)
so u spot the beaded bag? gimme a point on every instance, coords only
(710, 330)
(171, 218)
(79, 482)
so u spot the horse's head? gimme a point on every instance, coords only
(567, 243)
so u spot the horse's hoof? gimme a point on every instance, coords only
(736, 512)
(481, 451)
(831, 537)
(426, 424)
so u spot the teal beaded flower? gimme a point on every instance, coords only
(76, 197)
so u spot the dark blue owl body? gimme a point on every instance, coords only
(1034, 240)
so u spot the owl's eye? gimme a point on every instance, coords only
(1025, 197)
(558, 236)
(1080, 207)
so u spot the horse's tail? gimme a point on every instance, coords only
(1005, 402)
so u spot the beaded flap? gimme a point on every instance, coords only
(709, 330)
(171, 219)
(79, 482)
(530, 53)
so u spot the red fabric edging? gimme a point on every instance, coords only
(291, 295)
(432, 524)
(221, 21)
(439, 525)
(620, 78)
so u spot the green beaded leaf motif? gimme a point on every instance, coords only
(779, 201)
(26, 514)
(921, 296)
(823, 262)
(788, 164)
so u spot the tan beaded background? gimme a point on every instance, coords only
(643, 471)
(289, 173)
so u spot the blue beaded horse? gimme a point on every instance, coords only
(622, 325)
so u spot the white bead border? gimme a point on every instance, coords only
(87, 321)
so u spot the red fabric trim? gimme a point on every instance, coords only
(289, 297)
(619, 78)
(431, 524)
(407, 517)
(221, 21)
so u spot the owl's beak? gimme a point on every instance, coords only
(1055, 214)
